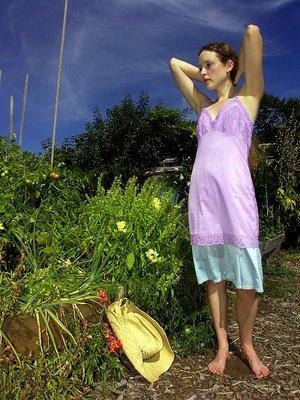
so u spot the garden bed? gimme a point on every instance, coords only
(276, 340)
(28, 333)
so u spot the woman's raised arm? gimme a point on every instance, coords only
(250, 63)
(184, 75)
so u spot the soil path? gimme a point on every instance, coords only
(277, 341)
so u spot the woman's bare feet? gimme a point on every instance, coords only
(257, 367)
(218, 364)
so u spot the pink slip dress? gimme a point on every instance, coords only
(223, 215)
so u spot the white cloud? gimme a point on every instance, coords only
(78, 39)
(159, 67)
(73, 104)
(270, 4)
(229, 15)
(209, 13)
(10, 17)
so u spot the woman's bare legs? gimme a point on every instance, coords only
(246, 310)
(216, 293)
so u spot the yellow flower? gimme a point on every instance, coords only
(290, 204)
(156, 203)
(152, 255)
(2, 227)
(121, 225)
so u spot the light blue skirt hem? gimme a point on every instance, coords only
(257, 289)
(241, 266)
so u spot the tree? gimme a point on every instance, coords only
(273, 112)
(128, 138)
(132, 140)
(287, 153)
(177, 134)
(276, 179)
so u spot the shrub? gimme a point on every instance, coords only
(60, 245)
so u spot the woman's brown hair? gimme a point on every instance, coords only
(224, 52)
(254, 153)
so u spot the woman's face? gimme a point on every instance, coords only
(214, 72)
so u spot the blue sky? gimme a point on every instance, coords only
(115, 47)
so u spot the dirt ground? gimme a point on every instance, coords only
(277, 341)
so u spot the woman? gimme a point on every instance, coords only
(223, 217)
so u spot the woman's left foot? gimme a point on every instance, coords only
(257, 367)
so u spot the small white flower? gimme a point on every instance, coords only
(121, 225)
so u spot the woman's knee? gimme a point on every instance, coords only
(246, 293)
(212, 286)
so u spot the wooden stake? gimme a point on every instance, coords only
(11, 119)
(23, 109)
(58, 81)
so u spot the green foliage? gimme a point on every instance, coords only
(60, 243)
(273, 112)
(136, 223)
(287, 152)
(132, 140)
(287, 165)
(46, 376)
(279, 278)
(196, 336)
(278, 270)
(272, 289)
(276, 180)
(270, 223)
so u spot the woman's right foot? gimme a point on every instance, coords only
(218, 364)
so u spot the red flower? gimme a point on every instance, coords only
(103, 297)
(113, 343)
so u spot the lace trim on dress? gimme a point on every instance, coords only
(229, 120)
(224, 238)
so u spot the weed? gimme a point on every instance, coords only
(274, 290)
(278, 269)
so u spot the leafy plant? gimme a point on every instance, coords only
(278, 270)
(132, 140)
(287, 157)
(276, 181)
(60, 244)
(278, 276)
